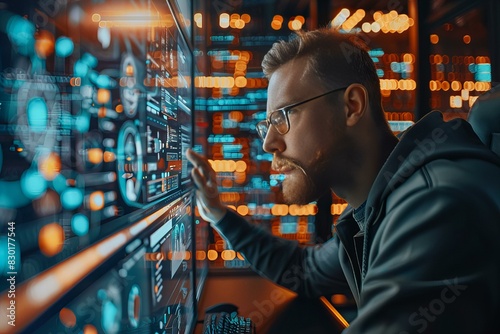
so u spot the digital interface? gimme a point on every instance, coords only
(97, 220)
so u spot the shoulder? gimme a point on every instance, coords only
(462, 177)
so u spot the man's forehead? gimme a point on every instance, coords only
(288, 84)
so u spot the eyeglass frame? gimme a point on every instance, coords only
(284, 111)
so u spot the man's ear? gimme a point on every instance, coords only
(356, 103)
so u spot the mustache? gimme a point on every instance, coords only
(286, 162)
(283, 162)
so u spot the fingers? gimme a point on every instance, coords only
(207, 193)
(200, 164)
(203, 175)
(195, 158)
(199, 179)
(206, 186)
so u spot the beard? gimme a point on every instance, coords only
(302, 185)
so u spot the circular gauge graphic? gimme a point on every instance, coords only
(134, 306)
(129, 89)
(111, 309)
(37, 118)
(129, 157)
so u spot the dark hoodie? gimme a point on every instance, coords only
(427, 259)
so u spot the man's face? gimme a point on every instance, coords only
(310, 154)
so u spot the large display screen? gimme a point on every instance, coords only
(96, 213)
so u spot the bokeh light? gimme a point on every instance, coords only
(37, 113)
(21, 33)
(64, 47)
(49, 165)
(47, 204)
(51, 239)
(33, 184)
(80, 224)
(44, 45)
(71, 198)
(67, 317)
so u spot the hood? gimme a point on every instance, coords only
(429, 139)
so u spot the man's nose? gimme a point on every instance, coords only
(273, 142)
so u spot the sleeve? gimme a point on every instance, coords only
(309, 271)
(433, 267)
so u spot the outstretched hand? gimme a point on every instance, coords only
(207, 195)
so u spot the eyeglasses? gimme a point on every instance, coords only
(279, 118)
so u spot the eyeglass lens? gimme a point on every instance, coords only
(276, 119)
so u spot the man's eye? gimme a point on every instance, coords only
(275, 121)
(278, 120)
